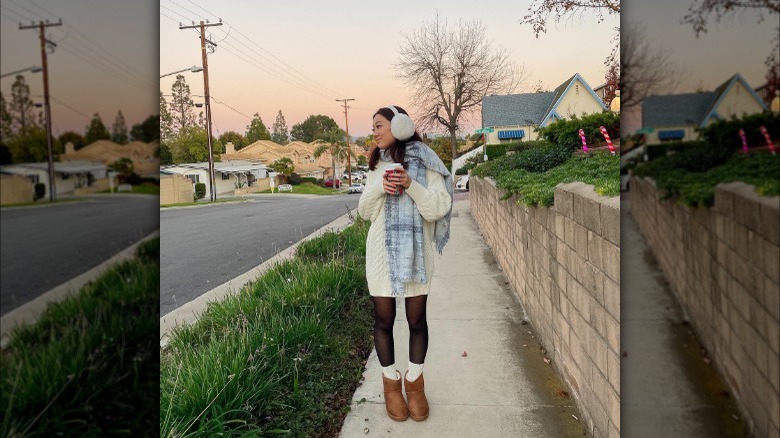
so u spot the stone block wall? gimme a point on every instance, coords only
(723, 264)
(563, 263)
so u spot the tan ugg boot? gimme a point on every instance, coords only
(415, 393)
(394, 399)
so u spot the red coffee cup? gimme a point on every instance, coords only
(394, 169)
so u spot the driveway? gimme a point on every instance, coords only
(203, 247)
(45, 246)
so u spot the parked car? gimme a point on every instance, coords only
(355, 188)
(330, 181)
(463, 183)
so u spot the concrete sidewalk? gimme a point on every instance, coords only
(485, 374)
(668, 389)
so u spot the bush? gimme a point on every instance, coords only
(310, 179)
(200, 190)
(465, 169)
(294, 179)
(725, 133)
(566, 132)
(40, 191)
(538, 159)
(496, 150)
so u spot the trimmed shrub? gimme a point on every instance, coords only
(310, 179)
(566, 132)
(40, 191)
(200, 190)
(725, 133)
(294, 179)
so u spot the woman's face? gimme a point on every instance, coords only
(382, 135)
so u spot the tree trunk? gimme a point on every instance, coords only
(454, 140)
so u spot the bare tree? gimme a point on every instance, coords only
(645, 68)
(542, 11)
(701, 10)
(450, 70)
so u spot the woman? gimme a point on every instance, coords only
(409, 209)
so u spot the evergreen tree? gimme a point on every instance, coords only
(21, 106)
(279, 133)
(166, 119)
(256, 130)
(181, 106)
(5, 121)
(119, 129)
(96, 130)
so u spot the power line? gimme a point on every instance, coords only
(92, 46)
(322, 89)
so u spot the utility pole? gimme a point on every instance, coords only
(349, 150)
(203, 25)
(47, 109)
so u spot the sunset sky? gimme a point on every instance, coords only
(105, 60)
(301, 58)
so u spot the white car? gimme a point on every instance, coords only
(355, 188)
(463, 183)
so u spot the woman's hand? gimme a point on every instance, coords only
(401, 178)
(389, 186)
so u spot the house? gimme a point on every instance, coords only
(230, 177)
(142, 154)
(301, 154)
(70, 177)
(516, 117)
(675, 117)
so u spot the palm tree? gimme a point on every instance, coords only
(337, 147)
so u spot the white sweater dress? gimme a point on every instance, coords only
(432, 202)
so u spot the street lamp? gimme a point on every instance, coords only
(193, 69)
(33, 69)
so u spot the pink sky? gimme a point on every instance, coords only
(346, 50)
(105, 60)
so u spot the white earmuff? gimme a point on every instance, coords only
(401, 126)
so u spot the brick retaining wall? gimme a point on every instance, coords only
(723, 264)
(563, 263)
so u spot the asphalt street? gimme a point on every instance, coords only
(45, 246)
(203, 247)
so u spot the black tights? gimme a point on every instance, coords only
(384, 316)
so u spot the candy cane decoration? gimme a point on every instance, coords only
(606, 137)
(744, 140)
(768, 139)
(584, 143)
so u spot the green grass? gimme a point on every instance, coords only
(89, 366)
(282, 356)
(306, 189)
(601, 169)
(143, 188)
(43, 201)
(674, 177)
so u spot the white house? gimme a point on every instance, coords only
(70, 177)
(228, 176)
(675, 117)
(516, 117)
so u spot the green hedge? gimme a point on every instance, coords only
(566, 132)
(725, 133)
(200, 190)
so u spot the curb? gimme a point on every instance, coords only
(189, 312)
(29, 312)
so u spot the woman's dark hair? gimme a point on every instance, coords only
(397, 150)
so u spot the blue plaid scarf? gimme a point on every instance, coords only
(404, 224)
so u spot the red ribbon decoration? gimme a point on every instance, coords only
(606, 137)
(768, 139)
(584, 143)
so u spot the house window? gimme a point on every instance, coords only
(34, 178)
(577, 89)
(514, 133)
(194, 178)
(225, 176)
(671, 135)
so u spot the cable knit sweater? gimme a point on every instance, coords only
(432, 202)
